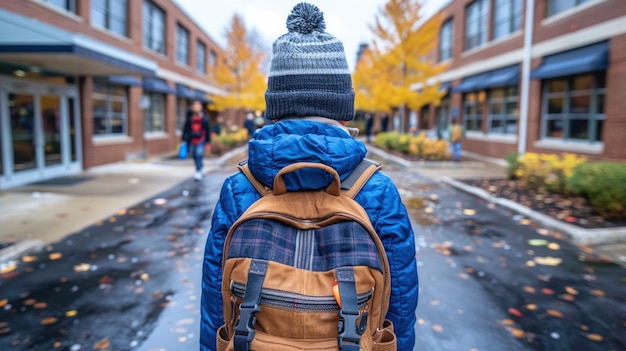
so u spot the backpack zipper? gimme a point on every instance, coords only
(297, 302)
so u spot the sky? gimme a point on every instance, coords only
(347, 20)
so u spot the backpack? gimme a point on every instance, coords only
(306, 270)
(456, 133)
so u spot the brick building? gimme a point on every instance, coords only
(562, 89)
(89, 82)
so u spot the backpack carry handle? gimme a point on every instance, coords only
(279, 183)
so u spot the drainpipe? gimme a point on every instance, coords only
(525, 91)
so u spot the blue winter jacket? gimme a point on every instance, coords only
(287, 142)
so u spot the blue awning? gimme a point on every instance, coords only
(35, 43)
(185, 92)
(497, 78)
(201, 96)
(124, 80)
(445, 86)
(472, 83)
(502, 77)
(589, 58)
(157, 85)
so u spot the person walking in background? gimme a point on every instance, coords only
(369, 124)
(456, 136)
(249, 124)
(384, 123)
(197, 133)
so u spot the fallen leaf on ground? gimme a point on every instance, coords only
(531, 307)
(421, 321)
(40, 305)
(463, 276)
(595, 337)
(525, 222)
(57, 344)
(547, 291)
(554, 246)
(555, 313)
(29, 258)
(434, 303)
(530, 263)
(571, 290)
(102, 344)
(83, 267)
(598, 293)
(469, 212)
(30, 302)
(182, 339)
(71, 313)
(548, 261)
(47, 321)
(3, 302)
(8, 268)
(55, 256)
(518, 333)
(508, 322)
(437, 328)
(568, 297)
(5, 330)
(537, 242)
(529, 289)
(185, 321)
(515, 312)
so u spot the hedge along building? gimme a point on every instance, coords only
(543, 76)
(90, 82)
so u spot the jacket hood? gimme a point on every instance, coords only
(279, 145)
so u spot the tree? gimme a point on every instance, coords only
(238, 73)
(394, 73)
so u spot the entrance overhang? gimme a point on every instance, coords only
(36, 44)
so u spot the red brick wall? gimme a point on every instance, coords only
(99, 152)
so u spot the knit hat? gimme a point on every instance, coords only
(309, 74)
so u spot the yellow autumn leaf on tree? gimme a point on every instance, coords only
(393, 73)
(238, 73)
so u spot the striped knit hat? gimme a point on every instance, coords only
(309, 74)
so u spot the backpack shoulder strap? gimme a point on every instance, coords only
(359, 176)
(243, 167)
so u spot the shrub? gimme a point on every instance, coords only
(512, 159)
(548, 171)
(420, 146)
(603, 184)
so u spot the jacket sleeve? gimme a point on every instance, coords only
(224, 216)
(207, 129)
(394, 227)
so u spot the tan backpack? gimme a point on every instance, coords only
(306, 270)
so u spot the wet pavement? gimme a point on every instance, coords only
(490, 280)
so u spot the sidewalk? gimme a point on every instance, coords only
(38, 214)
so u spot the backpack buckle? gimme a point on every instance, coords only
(244, 330)
(349, 331)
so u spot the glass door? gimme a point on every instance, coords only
(51, 124)
(22, 131)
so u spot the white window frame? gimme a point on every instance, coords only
(477, 116)
(481, 9)
(149, 114)
(182, 44)
(108, 17)
(446, 35)
(503, 117)
(148, 31)
(515, 14)
(109, 115)
(593, 116)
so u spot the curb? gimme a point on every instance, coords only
(577, 234)
(422, 164)
(20, 248)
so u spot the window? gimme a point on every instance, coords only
(573, 107)
(68, 5)
(181, 115)
(111, 15)
(424, 118)
(182, 45)
(507, 17)
(154, 115)
(503, 110)
(445, 41)
(556, 6)
(201, 57)
(212, 58)
(153, 27)
(476, 24)
(473, 111)
(110, 110)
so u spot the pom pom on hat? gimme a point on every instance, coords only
(306, 18)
